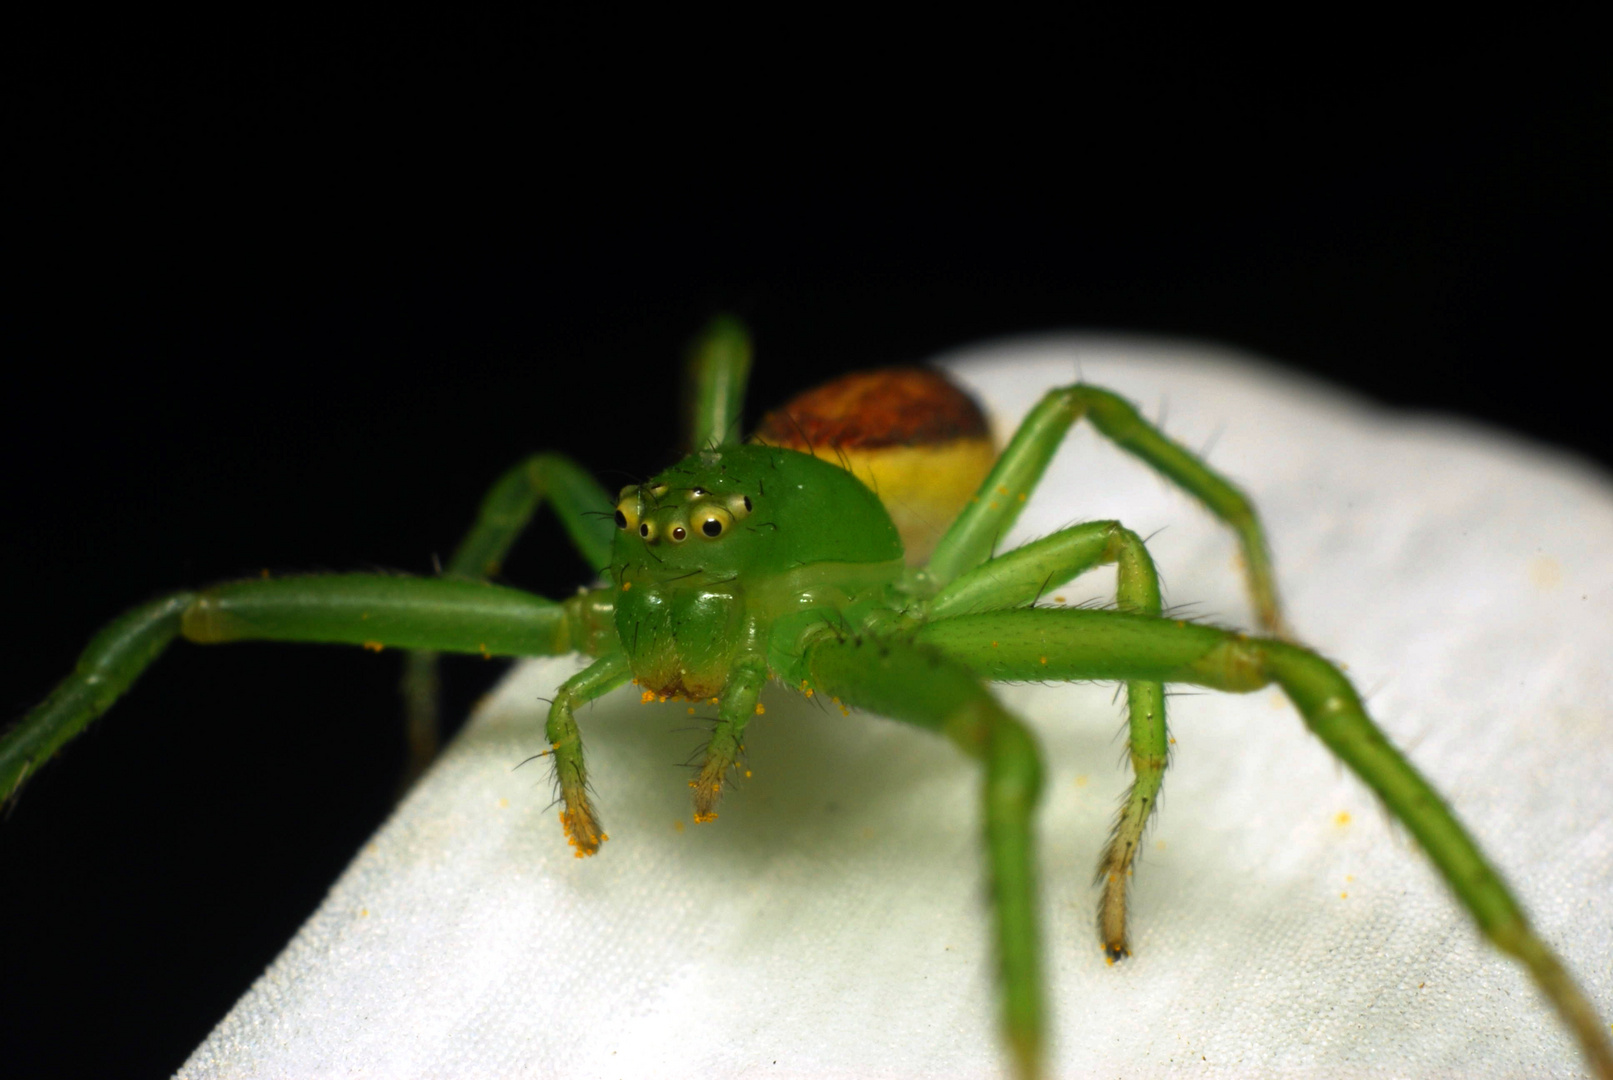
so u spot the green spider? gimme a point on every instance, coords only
(745, 563)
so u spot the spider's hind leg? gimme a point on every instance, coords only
(1019, 578)
(970, 539)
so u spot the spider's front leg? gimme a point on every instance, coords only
(375, 611)
(734, 710)
(583, 829)
(1111, 645)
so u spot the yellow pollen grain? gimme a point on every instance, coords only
(646, 697)
(364, 913)
(993, 644)
(1021, 496)
(759, 709)
(374, 646)
(626, 585)
(691, 710)
(482, 648)
(713, 701)
(1058, 599)
(1044, 661)
(503, 804)
(1344, 896)
(702, 819)
(1341, 818)
(747, 774)
(1002, 491)
(663, 697)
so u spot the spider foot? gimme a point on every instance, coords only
(582, 827)
(722, 754)
(1112, 917)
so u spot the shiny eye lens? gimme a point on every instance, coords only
(644, 530)
(712, 527)
(621, 520)
(678, 534)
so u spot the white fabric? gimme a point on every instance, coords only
(832, 923)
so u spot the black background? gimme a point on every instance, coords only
(292, 305)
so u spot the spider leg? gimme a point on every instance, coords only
(1066, 644)
(972, 537)
(919, 685)
(745, 681)
(372, 610)
(714, 385)
(582, 825)
(1018, 578)
(580, 504)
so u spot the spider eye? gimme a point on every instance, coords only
(621, 520)
(699, 491)
(647, 531)
(739, 506)
(714, 521)
(627, 510)
(679, 534)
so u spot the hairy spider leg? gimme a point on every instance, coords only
(717, 370)
(735, 708)
(1073, 644)
(919, 685)
(372, 610)
(583, 829)
(1018, 579)
(986, 520)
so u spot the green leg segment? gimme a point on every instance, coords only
(714, 385)
(738, 704)
(1019, 578)
(583, 829)
(977, 530)
(922, 687)
(1064, 645)
(372, 610)
(583, 508)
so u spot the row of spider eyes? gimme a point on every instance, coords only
(715, 519)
